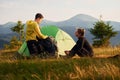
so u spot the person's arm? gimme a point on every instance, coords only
(38, 32)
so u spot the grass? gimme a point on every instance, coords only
(101, 68)
(107, 51)
(69, 69)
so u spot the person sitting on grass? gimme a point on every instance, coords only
(35, 38)
(82, 47)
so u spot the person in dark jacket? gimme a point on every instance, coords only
(82, 47)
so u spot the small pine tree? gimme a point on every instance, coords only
(14, 42)
(102, 33)
(19, 28)
(6, 46)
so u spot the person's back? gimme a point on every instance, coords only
(85, 44)
(33, 31)
(30, 30)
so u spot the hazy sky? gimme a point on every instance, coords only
(58, 10)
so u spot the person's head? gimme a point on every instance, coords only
(38, 17)
(79, 33)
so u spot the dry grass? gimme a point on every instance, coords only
(99, 68)
(94, 72)
(106, 51)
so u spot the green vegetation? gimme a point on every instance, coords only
(19, 28)
(71, 69)
(101, 68)
(15, 42)
(103, 33)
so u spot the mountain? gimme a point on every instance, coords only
(2, 42)
(5, 28)
(47, 22)
(5, 38)
(116, 25)
(70, 25)
(79, 21)
(84, 21)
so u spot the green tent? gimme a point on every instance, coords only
(64, 40)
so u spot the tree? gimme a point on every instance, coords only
(102, 32)
(14, 43)
(6, 46)
(19, 28)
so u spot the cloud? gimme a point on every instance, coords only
(92, 1)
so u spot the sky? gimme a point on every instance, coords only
(57, 10)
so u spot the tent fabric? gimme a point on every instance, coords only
(64, 40)
(49, 30)
(24, 50)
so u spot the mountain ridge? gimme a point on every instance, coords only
(79, 20)
(69, 25)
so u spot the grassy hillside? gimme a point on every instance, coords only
(70, 69)
(97, 68)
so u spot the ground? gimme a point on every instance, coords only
(103, 66)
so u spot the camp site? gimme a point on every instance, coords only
(59, 40)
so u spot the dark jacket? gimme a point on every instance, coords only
(82, 43)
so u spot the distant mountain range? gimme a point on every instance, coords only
(80, 20)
